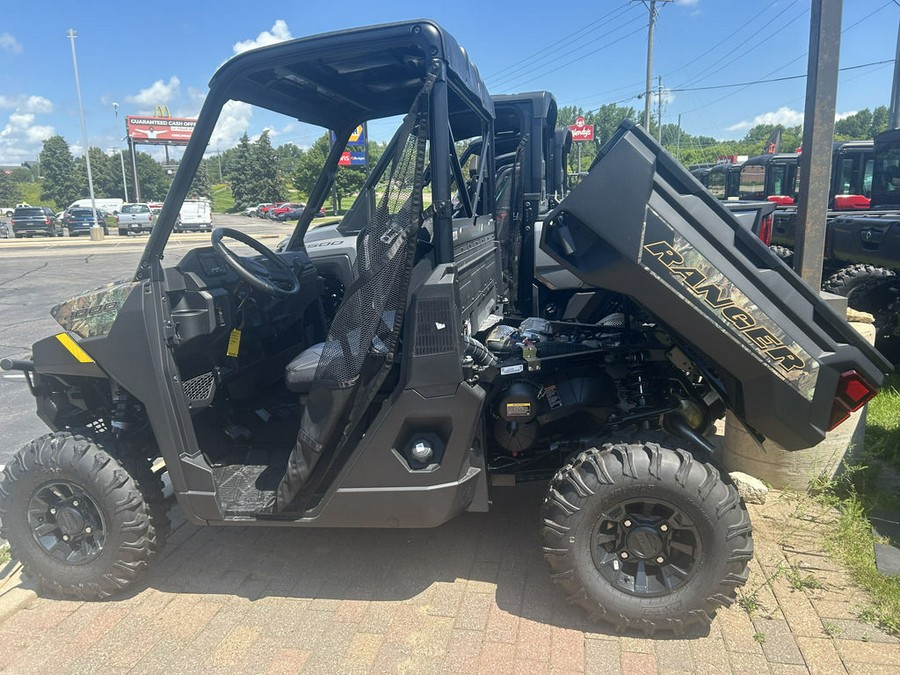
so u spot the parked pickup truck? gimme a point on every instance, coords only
(135, 218)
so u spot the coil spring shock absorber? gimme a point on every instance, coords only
(120, 409)
(637, 387)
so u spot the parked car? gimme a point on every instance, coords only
(266, 211)
(28, 221)
(80, 220)
(276, 211)
(135, 218)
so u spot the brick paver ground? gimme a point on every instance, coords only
(471, 596)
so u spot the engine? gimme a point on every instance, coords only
(560, 386)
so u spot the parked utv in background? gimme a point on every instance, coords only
(721, 179)
(866, 246)
(397, 397)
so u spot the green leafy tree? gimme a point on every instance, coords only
(10, 192)
(880, 121)
(309, 165)
(153, 179)
(853, 127)
(60, 182)
(240, 174)
(288, 154)
(200, 186)
(264, 177)
(106, 174)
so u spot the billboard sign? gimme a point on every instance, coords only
(352, 159)
(159, 130)
(581, 131)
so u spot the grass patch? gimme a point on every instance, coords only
(4, 554)
(222, 199)
(870, 482)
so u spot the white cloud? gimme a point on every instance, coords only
(158, 93)
(22, 136)
(278, 33)
(9, 44)
(23, 103)
(784, 115)
(839, 116)
(688, 3)
(233, 123)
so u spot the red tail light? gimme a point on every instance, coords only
(46, 220)
(765, 229)
(853, 393)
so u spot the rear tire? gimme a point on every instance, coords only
(82, 522)
(123, 233)
(645, 538)
(783, 252)
(874, 290)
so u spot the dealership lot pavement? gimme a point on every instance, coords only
(471, 596)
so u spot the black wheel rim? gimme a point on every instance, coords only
(66, 522)
(646, 547)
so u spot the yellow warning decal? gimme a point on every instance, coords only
(74, 349)
(234, 343)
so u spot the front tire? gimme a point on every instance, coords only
(82, 522)
(646, 538)
(786, 254)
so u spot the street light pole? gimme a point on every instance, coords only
(121, 154)
(96, 230)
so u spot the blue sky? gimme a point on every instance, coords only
(144, 54)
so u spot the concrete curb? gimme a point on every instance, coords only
(15, 594)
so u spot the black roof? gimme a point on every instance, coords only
(340, 79)
(778, 157)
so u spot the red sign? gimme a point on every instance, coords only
(160, 130)
(581, 131)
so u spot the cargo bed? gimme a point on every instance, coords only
(783, 360)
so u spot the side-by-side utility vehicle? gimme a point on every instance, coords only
(281, 389)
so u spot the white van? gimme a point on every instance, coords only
(110, 206)
(195, 215)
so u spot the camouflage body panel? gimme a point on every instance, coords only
(92, 313)
(677, 264)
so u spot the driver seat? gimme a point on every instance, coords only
(300, 373)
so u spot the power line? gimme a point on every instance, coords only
(570, 59)
(776, 79)
(542, 53)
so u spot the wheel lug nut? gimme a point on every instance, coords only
(75, 503)
(663, 528)
(627, 523)
(87, 530)
(65, 537)
(660, 560)
(52, 512)
(623, 555)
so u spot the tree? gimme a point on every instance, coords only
(880, 121)
(106, 175)
(60, 184)
(10, 192)
(200, 186)
(239, 174)
(264, 177)
(153, 179)
(309, 166)
(854, 127)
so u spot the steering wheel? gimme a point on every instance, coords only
(261, 278)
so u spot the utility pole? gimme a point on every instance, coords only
(121, 154)
(678, 140)
(895, 89)
(648, 90)
(659, 110)
(96, 230)
(818, 134)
